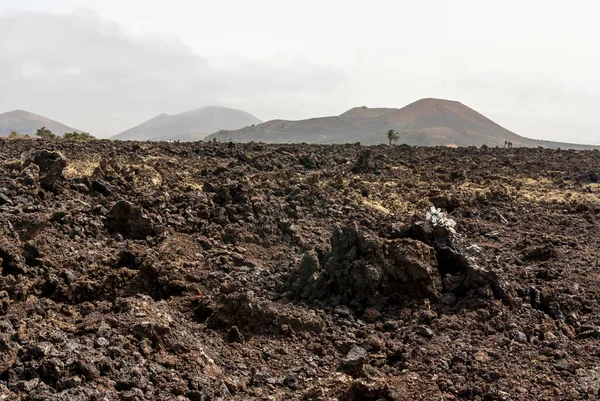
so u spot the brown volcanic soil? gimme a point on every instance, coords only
(277, 272)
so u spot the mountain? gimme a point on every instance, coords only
(189, 126)
(25, 122)
(426, 122)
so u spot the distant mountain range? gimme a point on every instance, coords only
(27, 123)
(426, 122)
(189, 126)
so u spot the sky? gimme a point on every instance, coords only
(104, 66)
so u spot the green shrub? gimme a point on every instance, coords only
(45, 133)
(78, 136)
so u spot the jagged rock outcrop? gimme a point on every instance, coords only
(364, 268)
(129, 220)
(51, 165)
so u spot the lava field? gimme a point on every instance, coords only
(220, 271)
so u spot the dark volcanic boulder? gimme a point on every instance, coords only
(51, 165)
(364, 164)
(364, 267)
(305, 280)
(129, 220)
(353, 362)
(11, 259)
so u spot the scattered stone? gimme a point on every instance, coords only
(371, 315)
(5, 200)
(541, 253)
(424, 331)
(291, 381)
(343, 311)
(519, 336)
(563, 365)
(102, 187)
(305, 279)
(129, 220)
(309, 161)
(27, 386)
(352, 363)
(86, 369)
(260, 315)
(234, 335)
(448, 298)
(81, 187)
(481, 356)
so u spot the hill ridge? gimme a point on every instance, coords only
(425, 122)
(192, 124)
(27, 123)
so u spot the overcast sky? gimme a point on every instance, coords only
(105, 65)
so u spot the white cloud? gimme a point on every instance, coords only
(71, 70)
(105, 81)
(32, 69)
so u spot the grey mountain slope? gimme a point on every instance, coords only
(426, 122)
(27, 123)
(190, 125)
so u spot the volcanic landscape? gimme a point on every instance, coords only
(220, 271)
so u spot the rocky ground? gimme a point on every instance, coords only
(202, 271)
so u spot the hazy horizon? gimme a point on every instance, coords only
(106, 66)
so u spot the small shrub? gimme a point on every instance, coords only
(45, 133)
(78, 136)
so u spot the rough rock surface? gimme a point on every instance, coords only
(363, 269)
(129, 220)
(51, 165)
(206, 271)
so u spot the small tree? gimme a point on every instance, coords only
(14, 134)
(392, 136)
(81, 136)
(45, 133)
